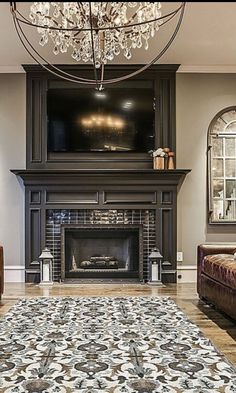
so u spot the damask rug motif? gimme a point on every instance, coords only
(112, 345)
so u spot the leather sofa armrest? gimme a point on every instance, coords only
(210, 249)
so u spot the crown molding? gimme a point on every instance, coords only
(187, 69)
(11, 69)
(207, 69)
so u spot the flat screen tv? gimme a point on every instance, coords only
(116, 119)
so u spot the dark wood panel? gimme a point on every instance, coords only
(167, 104)
(32, 276)
(129, 197)
(71, 197)
(169, 276)
(38, 80)
(35, 197)
(167, 238)
(35, 235)
(166, 197)
(34, 119)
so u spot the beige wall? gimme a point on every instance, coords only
(12, 155)
(199, 98)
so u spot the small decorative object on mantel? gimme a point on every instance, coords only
(158, 158)
(171, 164)
(46, 259)
(166, 150)
(163, 158)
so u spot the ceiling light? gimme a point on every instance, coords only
(94, 32)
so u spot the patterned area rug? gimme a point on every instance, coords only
(112, 345)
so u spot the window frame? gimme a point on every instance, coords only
(210, 196)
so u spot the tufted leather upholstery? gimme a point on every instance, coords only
(216, 280)
(222, 268)
(1, 271)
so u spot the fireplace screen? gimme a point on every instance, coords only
(112, 251)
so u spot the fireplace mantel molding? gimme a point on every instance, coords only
(173, 177)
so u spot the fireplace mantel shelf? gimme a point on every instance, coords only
(66, 176)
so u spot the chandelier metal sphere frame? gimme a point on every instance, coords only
(95, 32)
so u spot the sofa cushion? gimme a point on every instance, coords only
(222, 268)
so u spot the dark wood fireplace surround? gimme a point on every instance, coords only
(99, 180)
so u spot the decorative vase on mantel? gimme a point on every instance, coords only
(163, 158)
(158, 162)
(171, 164)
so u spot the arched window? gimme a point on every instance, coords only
(222, 167)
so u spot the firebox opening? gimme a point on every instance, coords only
(110, 252)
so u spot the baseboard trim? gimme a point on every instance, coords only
(14, 273)
(186, 267)
(17, 273)
(188, 273)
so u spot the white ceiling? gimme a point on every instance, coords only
(207, 39)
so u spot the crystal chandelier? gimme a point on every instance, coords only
(107, 43)
(94, 32)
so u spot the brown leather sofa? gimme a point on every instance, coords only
(1, 272)
(216, 278)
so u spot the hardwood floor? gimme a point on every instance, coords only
(217, 327)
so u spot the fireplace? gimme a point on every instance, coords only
(101, 197)
(102, 251)
(72, 185)
(106, 232)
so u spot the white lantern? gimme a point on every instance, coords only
(46, 259)
(156, 264)
(155, 267)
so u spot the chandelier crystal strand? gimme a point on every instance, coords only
(116, 28)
